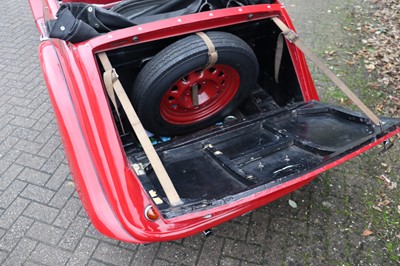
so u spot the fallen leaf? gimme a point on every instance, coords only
(370, 67)
(367, 232)
(292, 204)
(392, 186)
(384, 202)
(376, 208)
(398, 236)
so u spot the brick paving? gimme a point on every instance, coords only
(42, 221)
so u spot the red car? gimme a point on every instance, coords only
(231, 111)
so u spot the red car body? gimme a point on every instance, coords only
(109, 189)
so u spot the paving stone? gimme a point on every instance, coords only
(93, 262)
(46, 133)
(128, 246)
(3, 256)
(226, 261)
(275, 248)
(17, 231)
(20, 253)
(177, 253)
(11, 193)
(43, 109)
(58, 177)
(31, 175)
(8, 159)
(52, 234)
(28, 146)
(5, 118)
(258, 228)
(36, 193)
(83, 252)
(21, 121)
(49, 255)
(68, 213)
(31, 263)
(53, 161)
(18, 101)
(6, 130)
(93, 233)
(25, 133)
(211, 251)
(195, 242)
(145, 254)
(10, 175)
(7, 144)
(13, 212)
(63, 194)
(50, 147)
(74, 233)
(41, 212)
(232, 229)
(242, 250)
(112, 254)
(159, 262)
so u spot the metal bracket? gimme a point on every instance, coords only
(388, 144)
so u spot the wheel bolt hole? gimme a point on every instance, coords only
(220, 74)
(170, 98)
(174, 88)
(211, 70)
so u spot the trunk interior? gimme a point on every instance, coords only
(273, 137)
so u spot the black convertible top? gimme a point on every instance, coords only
(77, 22)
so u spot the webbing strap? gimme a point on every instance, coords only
(112, 83)
(108, 77)
(293, 38)
(212, 52)
(278, 56)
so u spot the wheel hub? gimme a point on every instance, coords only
(199, 94)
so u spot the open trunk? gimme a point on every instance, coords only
(275, 136)
(236, 159)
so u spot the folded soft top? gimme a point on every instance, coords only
(77, 22)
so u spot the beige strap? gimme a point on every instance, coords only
(293, 38)
(108, 77)
(278, 56)
(212, 53)
(140, 132)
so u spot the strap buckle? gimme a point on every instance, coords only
(114, 75)
(291, 36)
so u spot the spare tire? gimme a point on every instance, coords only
(174, 95)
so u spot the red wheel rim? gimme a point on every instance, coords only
(199, 95)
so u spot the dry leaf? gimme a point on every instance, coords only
(376, 208)
(384, 202)
(367, 232)
(398, 236)
(392, 186)
(370, 67)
